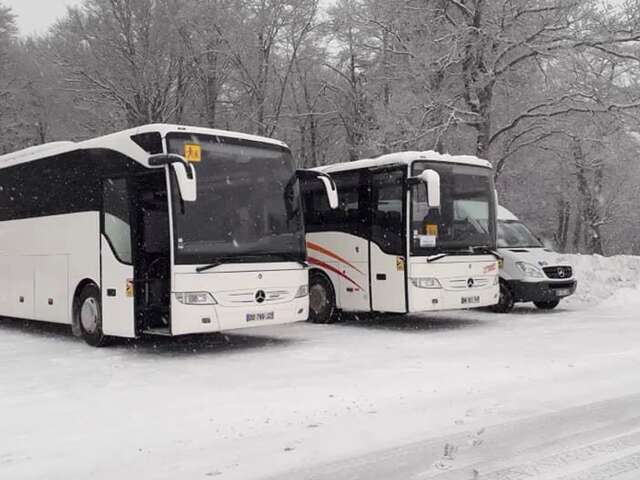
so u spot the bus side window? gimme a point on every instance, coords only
(350, 216)
(316, 205)
(117, 227)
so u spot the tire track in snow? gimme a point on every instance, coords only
(554, 465)
(613, 469)
(575, 441)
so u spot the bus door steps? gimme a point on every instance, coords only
(154, 309)
(163, 332)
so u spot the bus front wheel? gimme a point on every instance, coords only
(322, 299)
(506, 301)
(89, 316)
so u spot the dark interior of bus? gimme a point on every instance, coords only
(152, 259)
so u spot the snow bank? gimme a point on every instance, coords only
(612, 280)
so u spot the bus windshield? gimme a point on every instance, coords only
(248, 203)
(465, 219)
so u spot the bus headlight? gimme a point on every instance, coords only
(303, 291)
(425, 282)
(195, 298)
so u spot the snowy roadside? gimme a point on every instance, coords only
(612, 280)
(278, 399)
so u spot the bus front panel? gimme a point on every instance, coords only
(238, 296)
(455, 283)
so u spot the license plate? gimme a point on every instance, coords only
(470, 300)
(260, 317)
(563, 292)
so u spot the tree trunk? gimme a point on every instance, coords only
(564, 219)
(583, 191)
(595, 210)
(212, 86)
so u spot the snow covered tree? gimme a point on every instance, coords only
(123, 54)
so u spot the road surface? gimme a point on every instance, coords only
(462, 395)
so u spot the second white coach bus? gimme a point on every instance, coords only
(410, 235)
(162, 229)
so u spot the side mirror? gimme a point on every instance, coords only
(186, 176)
(185, 173)
(431, 179)
(329, 185)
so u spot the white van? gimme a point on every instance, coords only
(530, 272)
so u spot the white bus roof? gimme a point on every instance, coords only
(406, 158)
(121, 142)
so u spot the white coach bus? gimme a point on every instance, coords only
(410, 235)
(162, 229)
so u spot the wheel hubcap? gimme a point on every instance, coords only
(318, 299)
(89, 315)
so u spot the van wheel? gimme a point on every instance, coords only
(506, 301)
(89, 316)
(547, 305)
(322, 299)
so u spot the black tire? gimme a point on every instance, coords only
(547, 305)
(506, 302)
(89, 316)
(322, 299)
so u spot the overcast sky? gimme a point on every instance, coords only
(35, 16)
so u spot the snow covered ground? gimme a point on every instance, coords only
(517, 396)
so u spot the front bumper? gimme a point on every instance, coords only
(190, 319)
(541, 291)
(428, 300)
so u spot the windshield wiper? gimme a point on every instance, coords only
(435, 258)
(446, 253)
(251, 258)
(487, 250)
(223, 260)
(482, 249)
(287, 257)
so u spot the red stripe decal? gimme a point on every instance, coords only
(329, 253)
(326, 266)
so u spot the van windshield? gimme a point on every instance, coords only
(515, 234)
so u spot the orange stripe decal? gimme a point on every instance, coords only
(326, 266)
(329, 253)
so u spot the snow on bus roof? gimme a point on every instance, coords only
(121, 141)
(405, 158)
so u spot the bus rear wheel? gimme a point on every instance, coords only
(322, 299)
(89, 316)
